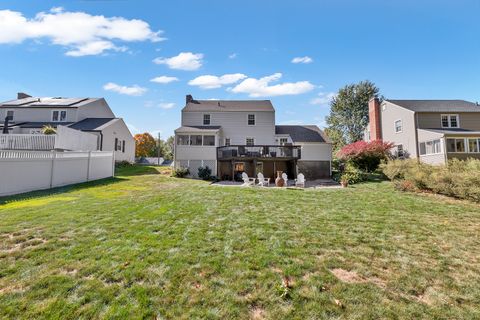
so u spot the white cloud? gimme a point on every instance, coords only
(262, 88)
(183, 61)
(129, 91)
(212, 82)
(81, 33)
(164, 79)
(232, 55)
(305, 59)
(166, 105)
(323, 98)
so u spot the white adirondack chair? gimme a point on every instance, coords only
(285, 179)
(300, 181)
(247, 181)
(262, 181)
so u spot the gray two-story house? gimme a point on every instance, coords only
(432, 130)
(232, 137)
(28, 115)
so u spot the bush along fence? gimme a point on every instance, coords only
(24, 171)
(459, 179)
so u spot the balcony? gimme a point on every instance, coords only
(259, 152)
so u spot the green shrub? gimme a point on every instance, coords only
(205, 173)
(460, 178)
(180, 172)
(352, 174)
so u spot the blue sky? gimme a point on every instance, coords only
(409, 49)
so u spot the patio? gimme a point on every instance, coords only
(314, 184)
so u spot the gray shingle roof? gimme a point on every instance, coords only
(437, 105)
(90, 123)
(299, 133)
(33, 124)
(49, 102)
(229, 105)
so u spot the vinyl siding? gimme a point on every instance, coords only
(315, 151)
(234, 125)
(37, 114)
(469, 121)
(96, 109)
(406, 138)
(119, 129)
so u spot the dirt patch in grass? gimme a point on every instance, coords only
(353, 277)
(257, 313)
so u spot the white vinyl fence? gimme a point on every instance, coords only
(27, 141)
(23, 171)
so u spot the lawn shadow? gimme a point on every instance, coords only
(58, 190)
(136, 170)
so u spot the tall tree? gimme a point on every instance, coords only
(348, 116)
(145, 145)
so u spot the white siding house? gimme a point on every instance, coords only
(232, 137)
(28, 115)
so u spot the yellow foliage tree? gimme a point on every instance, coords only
(145, 145)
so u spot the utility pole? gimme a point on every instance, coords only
(159, 145)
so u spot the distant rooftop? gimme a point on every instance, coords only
(437, 105)
(91, 123)
(309, 133)
(227, 105)
(24, 100)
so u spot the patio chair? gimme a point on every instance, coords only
(300, 181)
(262, 181)
(247, 181)
(285, 179)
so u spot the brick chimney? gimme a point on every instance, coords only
(374, 119)
(188, 98)
(22, 95)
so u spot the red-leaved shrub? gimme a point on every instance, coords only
(365, 155)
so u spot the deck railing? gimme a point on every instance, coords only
(39, 142)
(260, 151)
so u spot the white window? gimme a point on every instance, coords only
(283, 141)
(183, 140)
(59, 115)
(10, 114)
(450, 121)
(208, 140)
(196, 140)
(400, 152)
(251, 120)
(250, 142)
(227, 141)
(206, 119)
(473, 146)
(456, 145)
(398, 126)
(430, 147)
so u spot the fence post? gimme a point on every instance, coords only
(54, 156)
(88, 165)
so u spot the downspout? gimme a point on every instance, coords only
(415, 120)
(101, 140)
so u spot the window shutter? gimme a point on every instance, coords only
(116, 143)
(123, 146)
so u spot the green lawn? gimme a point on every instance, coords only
(144, 245)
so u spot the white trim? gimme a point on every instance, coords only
(449, 117)
(395, 126)
(254, 119)
(59, 115)
(465, 141)
(432, 141)
(6, 114)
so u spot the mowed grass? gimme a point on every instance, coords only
(145, 245)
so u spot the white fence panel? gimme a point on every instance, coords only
(27, 141)
(23, 171)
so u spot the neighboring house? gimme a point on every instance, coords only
(432, 130)
(232, 137)
(28, 115)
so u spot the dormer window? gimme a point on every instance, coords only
(206, 119)
(450, 121)
(59, 115)
(251, 120)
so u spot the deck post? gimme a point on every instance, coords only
(233, 170)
